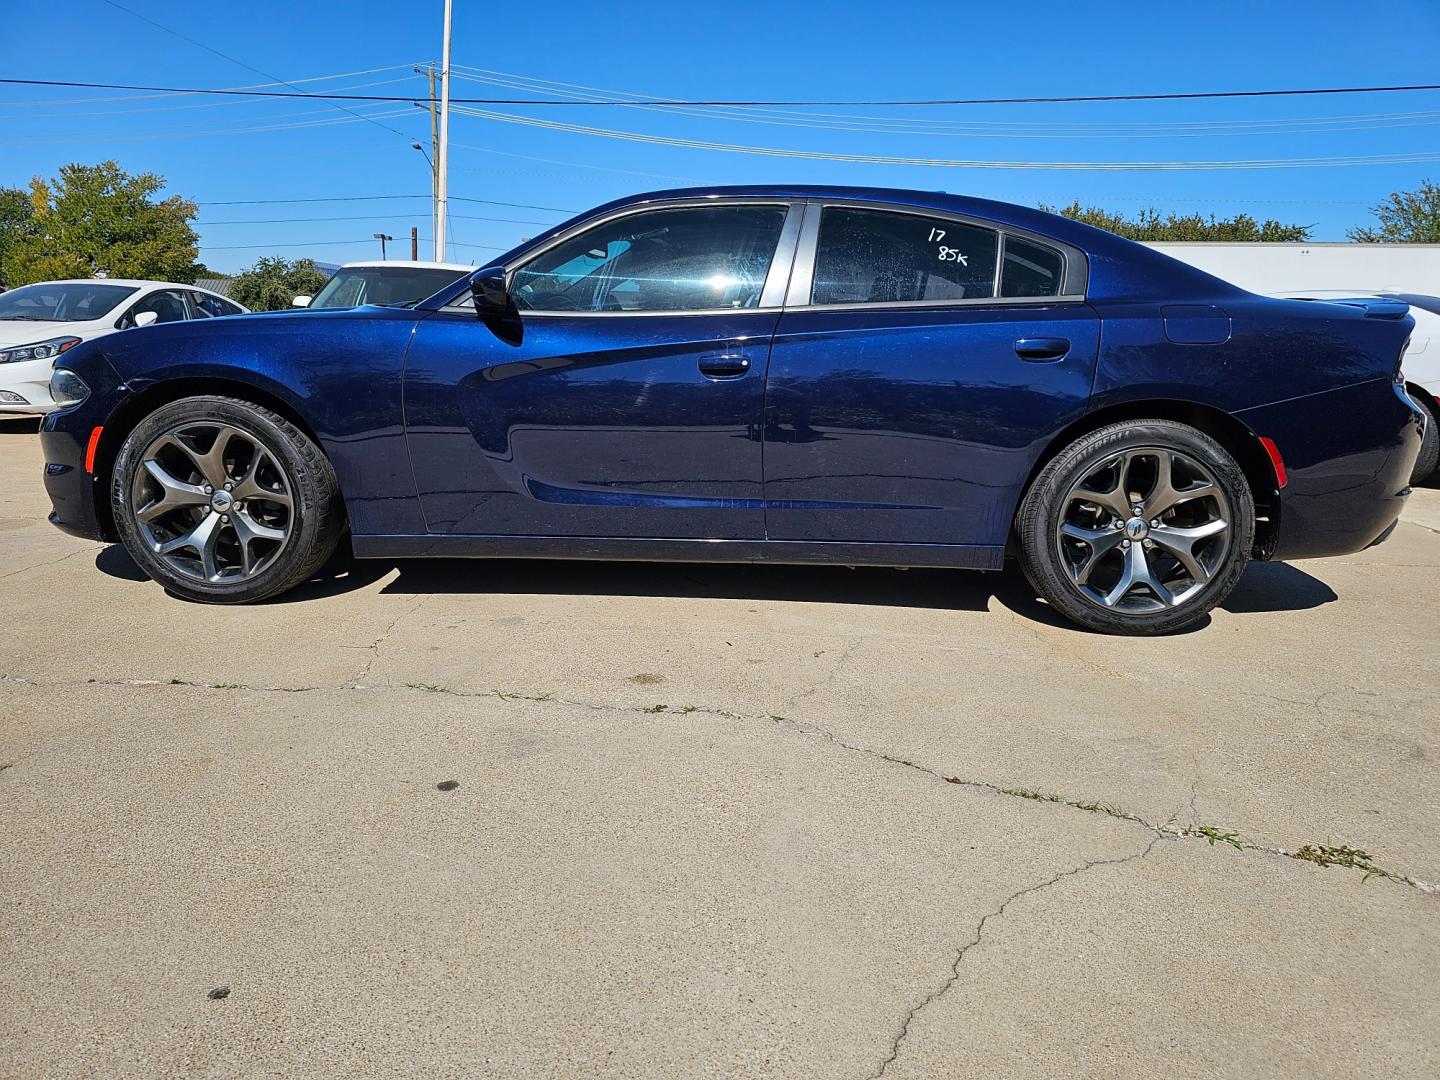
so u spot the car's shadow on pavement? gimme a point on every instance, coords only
(1265, 586)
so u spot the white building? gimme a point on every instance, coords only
(1303, 268)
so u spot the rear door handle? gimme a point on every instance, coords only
(725, 366)
(1041, 349)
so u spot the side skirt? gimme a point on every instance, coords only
(956, 556)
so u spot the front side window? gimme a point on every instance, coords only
(879, 257)
(690, 259)
(167, 304)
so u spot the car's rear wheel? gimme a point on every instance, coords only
(1137, 528)
(224, 501)
(1429, 457)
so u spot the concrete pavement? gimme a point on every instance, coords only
(737, 821)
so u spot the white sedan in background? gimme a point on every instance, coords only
(392, 282)
(39, 322)
(1420, 366)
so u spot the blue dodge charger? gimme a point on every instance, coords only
(788, 374)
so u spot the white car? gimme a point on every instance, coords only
(392, 282)
(1420, 366)
(39, 322)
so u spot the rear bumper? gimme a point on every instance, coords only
(1349, 453)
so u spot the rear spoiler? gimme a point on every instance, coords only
(1375, 307)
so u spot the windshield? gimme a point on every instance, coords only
(383, 285)
(79, 302)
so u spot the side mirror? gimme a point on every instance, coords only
(488, 288)
(144, 318)
(301, 301)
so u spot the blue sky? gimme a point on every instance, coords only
(207, 152)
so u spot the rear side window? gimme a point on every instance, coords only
(1031, 269)
(878, 257)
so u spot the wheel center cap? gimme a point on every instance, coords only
(1137, 528)
(221, 501)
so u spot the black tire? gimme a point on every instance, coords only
(313, 522)
(1429, 458)
(1046, 554)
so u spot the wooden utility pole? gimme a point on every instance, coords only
(429, 73)
(442, 159)
(414, 244)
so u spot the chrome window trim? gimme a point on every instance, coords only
(802, 278)
(1074, 276)
(527, 314)
(771, 294)
(974, 301)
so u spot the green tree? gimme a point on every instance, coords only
(273, 283)
(16, 220)
(1406, 217)
(99, 218)
(1150, 224)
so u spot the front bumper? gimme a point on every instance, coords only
(1349, 453)
(28, 380)
(79, 499)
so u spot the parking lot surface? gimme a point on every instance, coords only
(557, 819)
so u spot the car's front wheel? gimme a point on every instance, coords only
(224, 501)
(1137, 528)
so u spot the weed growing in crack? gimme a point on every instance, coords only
(657, 709)
(1346, 856)
(1021, 793)
(429, 688)
(1219, 836)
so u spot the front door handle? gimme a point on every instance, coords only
(1042, 349)
(725, 366)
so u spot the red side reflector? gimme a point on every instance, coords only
(1281, 478)
(90, 448)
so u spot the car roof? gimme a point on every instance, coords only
(411, 264)
(138, 283)
(1119, 269)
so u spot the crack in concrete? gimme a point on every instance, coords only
(374, 646)
(1167, 829)
(929, 999)
(41, 565)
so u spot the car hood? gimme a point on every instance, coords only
(20, 332)
(253, 342)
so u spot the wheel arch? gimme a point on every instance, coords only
(1423, 395)
(135, 407)
(1239, 442)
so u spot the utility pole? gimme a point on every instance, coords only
(414, 244)
(442, 157)
(382, 238)
(429, 73)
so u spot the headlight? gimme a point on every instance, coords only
(67, 388)
(40, 350)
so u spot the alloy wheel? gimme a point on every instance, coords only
(213, 502)
(1144, 531)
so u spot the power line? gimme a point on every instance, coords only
(242, 63)
(374, 198)
(951, 163)
(1073, 99)
(369, 217)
